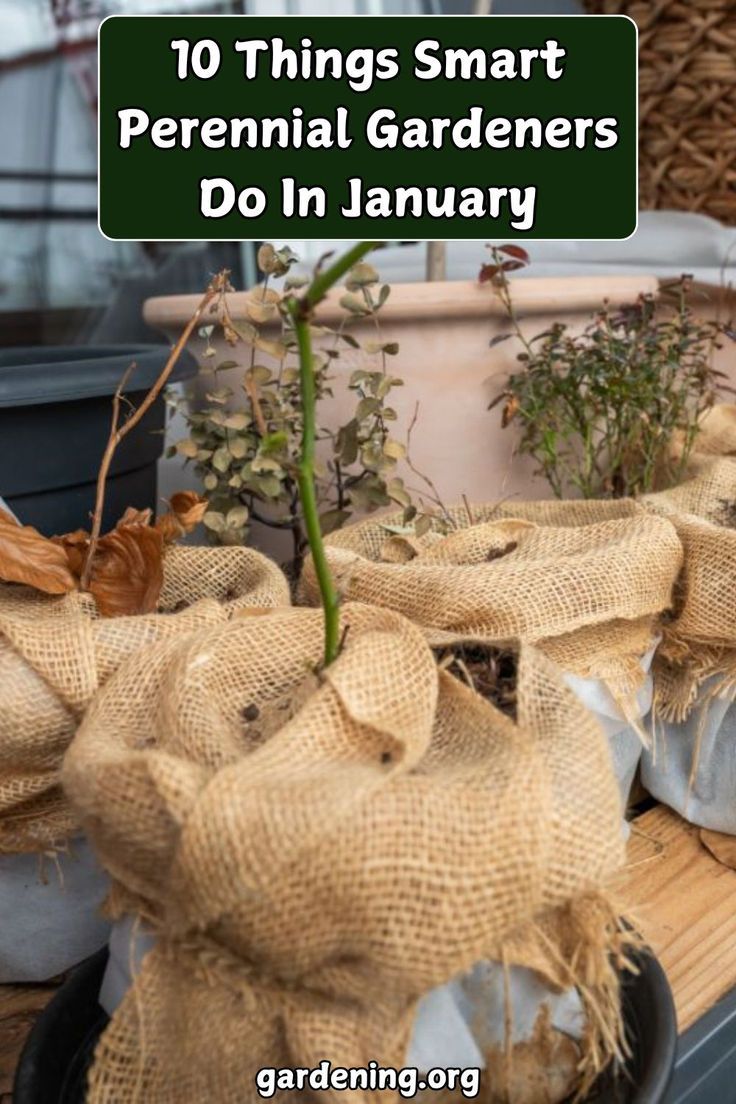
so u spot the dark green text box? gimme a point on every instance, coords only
(148, 193)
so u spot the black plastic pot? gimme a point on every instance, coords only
(651, 1032)
(55, 410)
(59, 1049)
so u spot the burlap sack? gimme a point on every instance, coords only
(691, 764)
(699, 640)
(55, 653)
(583, 580)
(314, 856)
(716, 437)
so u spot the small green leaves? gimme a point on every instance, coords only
(215, 522)
(236, 517)
(333, 519)
(187, 447)
(347, 443)
(390, 348)
(245, 441)
(221, 459)
(598, 410)
(237, 421)
(354, 304)
(361, 276)
(394, 449)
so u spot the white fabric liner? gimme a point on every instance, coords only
(458, 1023)
(624, 741)
(49, 912)
(129, 943)
(706, 740)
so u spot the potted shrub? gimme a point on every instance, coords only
(443, 330)
(287, 799)
(72, 608)
(600, 411)
(245, 435)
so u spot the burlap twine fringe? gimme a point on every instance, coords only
(582, 580)
(699, 639)
(55, 653)
(317, 854)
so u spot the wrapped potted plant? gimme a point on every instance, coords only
(72, 608)
(319, 825)
(690, 765)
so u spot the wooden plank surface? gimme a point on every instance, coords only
(684, 903)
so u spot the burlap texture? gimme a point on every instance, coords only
(55, 653)
(315, 855)
(583, 580)
(699, 641)
(716, 437)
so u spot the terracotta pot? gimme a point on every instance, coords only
(444, 331)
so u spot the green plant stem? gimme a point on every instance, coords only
(323, 281)
(301, 312)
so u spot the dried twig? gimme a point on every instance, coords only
(435, 494)
(251, 390)
(118, 432)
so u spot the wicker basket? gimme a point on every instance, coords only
(687, 120)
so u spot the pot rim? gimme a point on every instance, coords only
(448, 299)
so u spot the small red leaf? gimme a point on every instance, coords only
(487, 273)
(515, 251)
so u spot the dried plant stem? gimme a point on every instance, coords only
(118, 432)
(435, 494)
(300, 310)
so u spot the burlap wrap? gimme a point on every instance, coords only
(716, 437)
(700, 640)
(582, 580)
(55, 653)
(315, 856)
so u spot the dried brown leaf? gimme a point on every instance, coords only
(75, 546)
(189, 507)
(509, 410)
(135, 517)
(721, 846)
(170, 528)
(187, 510)
(28, 557)
(127, 571)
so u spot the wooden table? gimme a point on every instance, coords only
(684, 903)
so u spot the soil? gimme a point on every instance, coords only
(490, 671)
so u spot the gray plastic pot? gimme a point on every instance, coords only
(55, 411)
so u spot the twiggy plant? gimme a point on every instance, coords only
(247, 452)
(600, 411)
